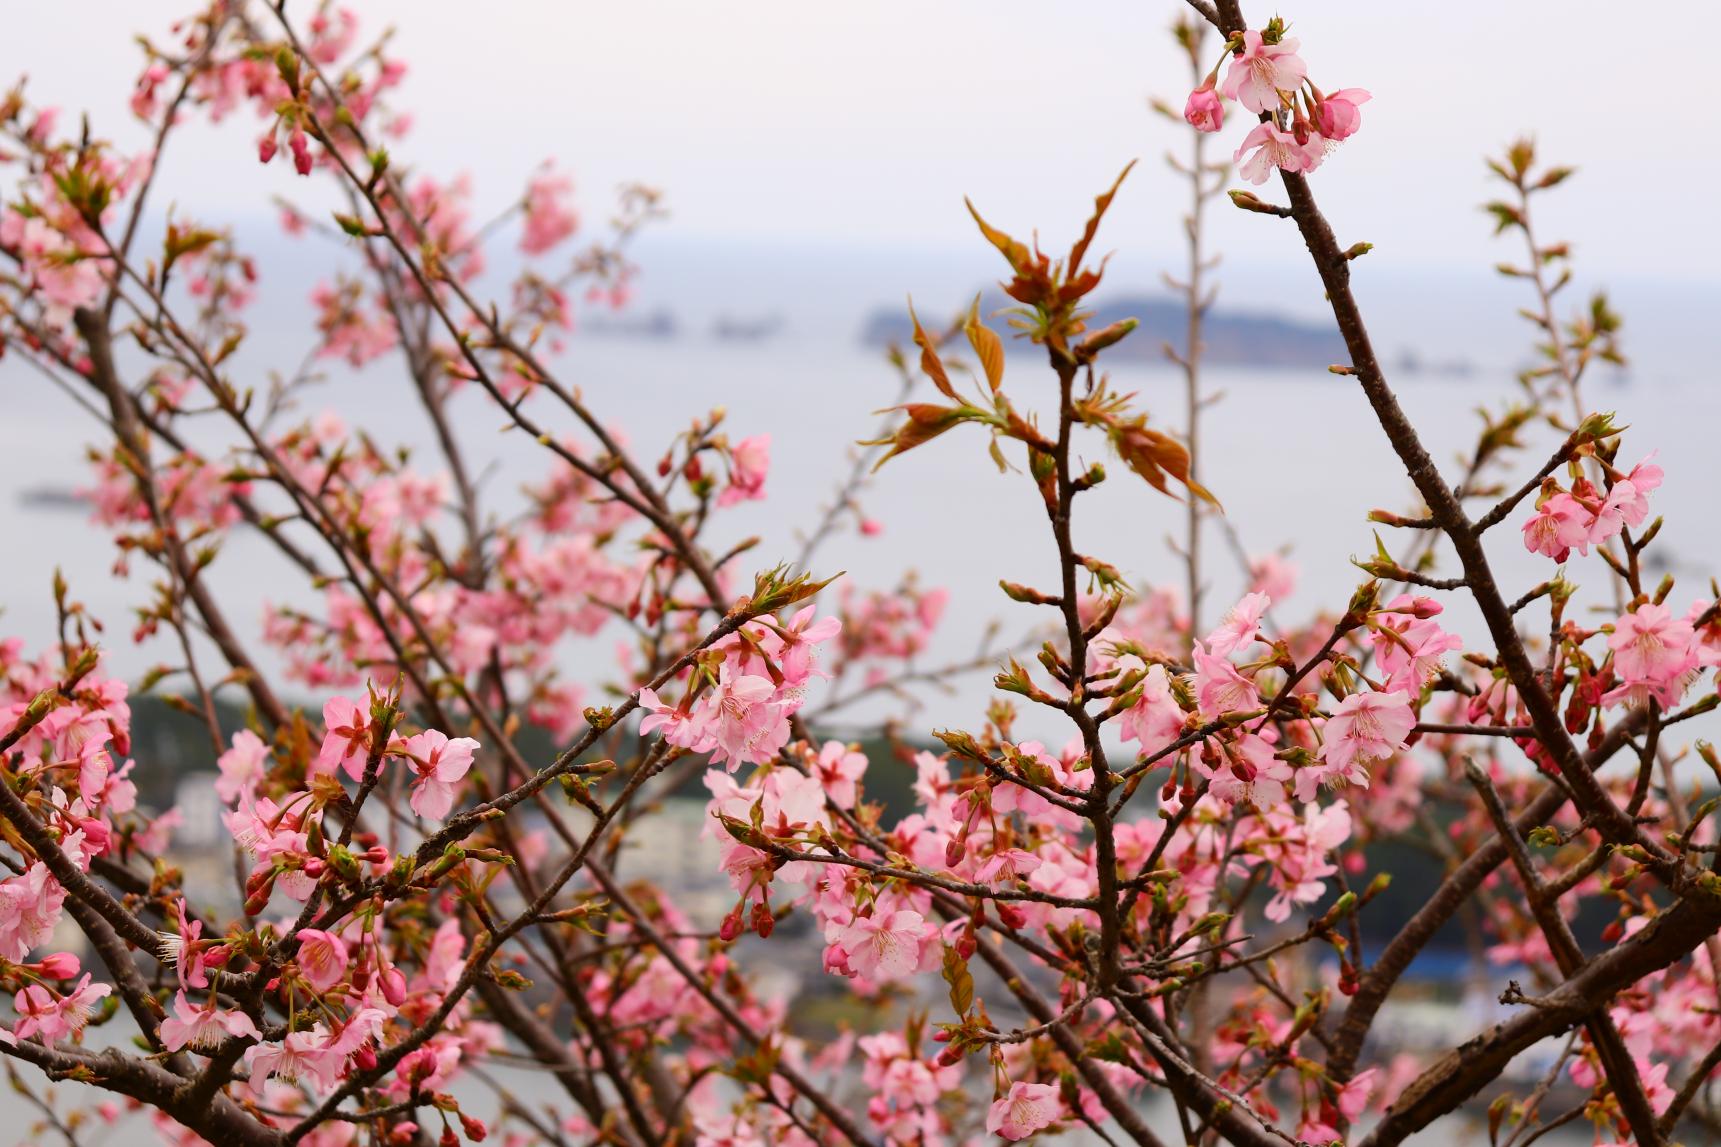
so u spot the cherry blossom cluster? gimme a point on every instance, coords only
(1300, 125)
(1149, 867)
(1584, 516)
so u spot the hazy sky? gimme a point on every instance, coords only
(869, 121)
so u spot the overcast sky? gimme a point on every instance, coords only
(868, 121)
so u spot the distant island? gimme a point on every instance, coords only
(1233, 338)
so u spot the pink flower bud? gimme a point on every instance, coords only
(956, 850)
(394, 987)
(266, 149)
(59, 966)
(1339, 115)
(1205, 111)
(731, 927)
(301, 153)
(418, 1066)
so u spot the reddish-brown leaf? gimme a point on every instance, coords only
(1101, 204)
(925, 422)
(1154, 455)
(929, 360)
(987, 345)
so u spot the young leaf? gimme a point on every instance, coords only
(960, 979)
(1154, 455)
(1014, 252)
(929, 360)
(925, 422)
(1101, 203)
(987, 345)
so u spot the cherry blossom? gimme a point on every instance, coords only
(885, 945)
(1263, 73)
(1274, 147)
(203, 1027)
(439, 764)
(1027, 1108)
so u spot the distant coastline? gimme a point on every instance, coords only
(1233, 338)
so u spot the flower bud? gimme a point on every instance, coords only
(59, 966)
(1204, 111)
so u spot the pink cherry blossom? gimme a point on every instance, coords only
(1364, 727)
(322, 958)
(302, 1055)
(1409, 645)
(885, 945)
(684, 730)
(838, 768)
(747, 724)
(438, 763)
(1155, 720)
(347, 742)
(749, 462)
(241, 767)
(52, 1015)
(1649, 643)
(1006, 865)
(203, 1027)
(1352, 1098)
(1247, 772)
(1262, 74)
(1272, 576)
(1560, 525)
(1275, 147)
(1240, 624)
(1219, 688)
(1029, 1107)
(180, 949)
(30, 907)
(549, 218)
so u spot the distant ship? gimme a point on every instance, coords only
(658, 326)
(727, 328)
(1412, 365)
(52, 498)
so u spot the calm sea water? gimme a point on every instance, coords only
(1296, 458)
